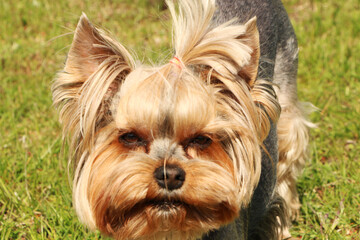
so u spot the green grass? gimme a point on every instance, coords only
(35, 196)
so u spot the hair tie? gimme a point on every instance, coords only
(176, 61)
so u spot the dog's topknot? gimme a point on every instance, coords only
(230, 49)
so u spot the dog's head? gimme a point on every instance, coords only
(172, 150)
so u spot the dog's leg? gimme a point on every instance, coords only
(293, 126)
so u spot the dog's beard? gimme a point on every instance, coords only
(127, 203)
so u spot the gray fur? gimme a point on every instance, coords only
(164, 148)
(278, 64)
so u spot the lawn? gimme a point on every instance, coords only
(35, 35)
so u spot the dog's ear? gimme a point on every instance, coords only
(90, 48)
(230, 49)
(251, 39)
(95, 67)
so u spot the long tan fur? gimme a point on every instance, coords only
(101, 94)
(293, 137)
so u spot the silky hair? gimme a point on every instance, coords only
(101, 84)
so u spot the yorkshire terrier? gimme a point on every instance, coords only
(205, 146)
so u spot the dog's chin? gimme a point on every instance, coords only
(164, 217)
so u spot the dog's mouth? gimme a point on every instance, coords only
(169, 213)
(165, 204)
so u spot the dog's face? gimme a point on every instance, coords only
(162, 163)
(170, 151)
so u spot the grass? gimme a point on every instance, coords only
(35, 196)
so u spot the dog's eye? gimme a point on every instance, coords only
(131, 138)
(200, 141)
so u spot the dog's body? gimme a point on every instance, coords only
(278, 64)
(205, 152)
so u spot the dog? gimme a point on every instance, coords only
(205, 146)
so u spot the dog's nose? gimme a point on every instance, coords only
(170, 177)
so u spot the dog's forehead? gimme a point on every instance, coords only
(164, 105)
